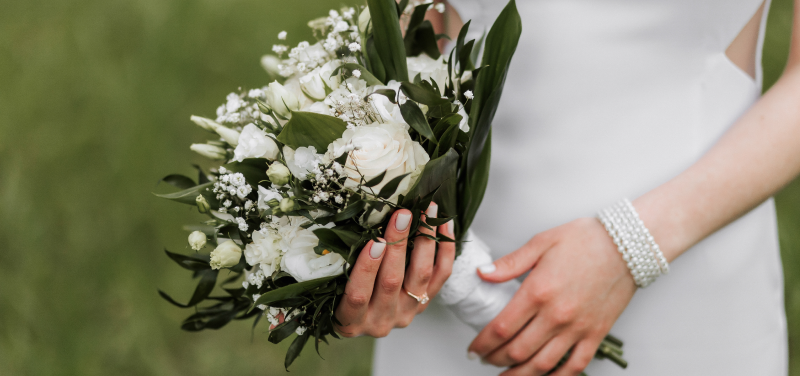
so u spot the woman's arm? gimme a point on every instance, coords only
(555, 311)
(757, 157)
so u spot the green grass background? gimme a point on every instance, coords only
(95, 97)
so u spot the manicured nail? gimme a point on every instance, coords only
(377, 249)
(433, 209)
(472, 355)
(402, 221)
(487, 269)
(448, 228)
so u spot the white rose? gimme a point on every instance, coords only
(389, 111)
(428, 69)
(380, 147)
(255, 143)
(318, 108)
(264, 251)
(317, 84)
(302, 161)
(282, 101)
(197, 240)
(225, 255)
(265, 196)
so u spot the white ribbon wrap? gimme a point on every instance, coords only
(473, 300)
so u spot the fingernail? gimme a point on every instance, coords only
(433, 209)
(377, 249)
(403, 219)
(487, 269)
(448, 228)
(472, 355)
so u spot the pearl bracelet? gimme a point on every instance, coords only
(634, 242)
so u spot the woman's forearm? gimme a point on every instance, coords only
(758, 156)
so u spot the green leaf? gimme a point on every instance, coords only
(366, 75)
(388, 93)
(388, 38)
(283, 330)
(295, 348)
(291, 291)
(189, 196)
(375, 63)
(347, 236)
(436, 172)
(416, 119)
(189, 262)
(178, 181)
(311, 129)
(202, 178)
(253, 169)
(330, 240)
(375, 181)
(423, 95)
(420, 36)
(476, 50)
(476, 187)
(208, 278)
(391, 187)
(447, 141)
(438, 221)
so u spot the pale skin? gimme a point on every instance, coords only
(556, 311)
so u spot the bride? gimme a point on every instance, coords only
(658, 101)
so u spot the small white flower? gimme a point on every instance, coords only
(227, 203)
(223, 170)
(248, 205)
(356, 73)
(279, 48)
(338, 199)
(468, 94)
(439, 7)
(256, 296)
(263, 307)
(242, 224)
(282, 35)
(243, 191)
(354, 47)
(238, 179)
(300, 330)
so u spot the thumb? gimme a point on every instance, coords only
(515, 263)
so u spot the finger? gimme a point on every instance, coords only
(545, 360)
(519, 311)
(446, 254)
(516, 263)
(529, 340)
(390, 276)
(420, 267)
(358, 290)
(579, 359)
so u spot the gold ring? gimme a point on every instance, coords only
(424, 299)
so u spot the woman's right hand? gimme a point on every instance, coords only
(375, 299)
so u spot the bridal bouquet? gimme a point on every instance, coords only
(366, 120)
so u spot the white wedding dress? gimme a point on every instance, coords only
(608, 99)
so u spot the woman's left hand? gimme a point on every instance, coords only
(577, 287)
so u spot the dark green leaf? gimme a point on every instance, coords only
(295, 348)
(202, 178)
(422, 39)
(438, 221)
(347, 236)
(388, 38)
(416, 119)
(283, 330)
(178, 181)
(189, 262)
(311, 129)
(375, 64)
(389, 189)
(447, 141)
(375, 181)
(208, 278)
(476, 187)
(423, 95)
(291, 291)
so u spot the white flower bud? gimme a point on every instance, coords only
(205, 123)
(202, 204)
(271, 63)
(229, 135)
(287, 204)
(281, 100)
(209, 151)
(225, 255)
(364, 22)
(197, 240)
(278, 174)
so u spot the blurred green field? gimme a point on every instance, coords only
(95, 97)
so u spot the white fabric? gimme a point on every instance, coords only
(609, 99)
